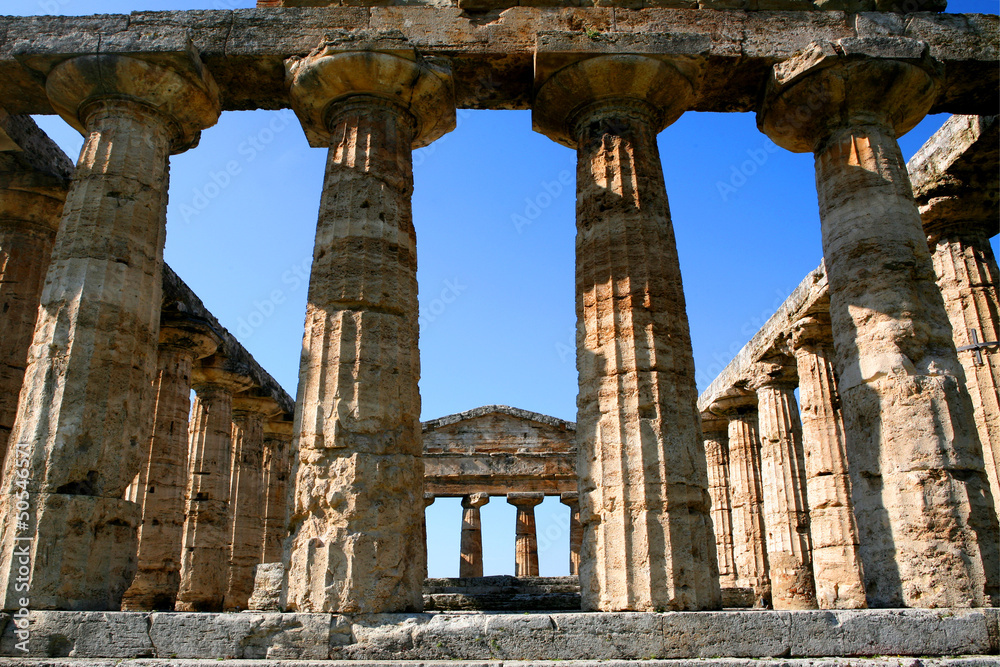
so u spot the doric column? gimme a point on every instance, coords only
(715, 430)
(836, 565)
(572, 500)
(644, 502)
(207, 527)
(87, 397)
(969, 280)
(277, 461)
(783, 481)
(471, 564)
(428, 501)
(355, 544)
(28, 223)
(926, 528)
(526, 537)
(746, 495)
(251, 410)
(163, 477)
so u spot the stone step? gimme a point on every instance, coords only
(884, 661)
(502, 593)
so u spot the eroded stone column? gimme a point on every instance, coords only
(28, 224)
(163, 478)
(251, 410)
(356, 526)
(471, 562)
(644, 502)
(927, 533)
(526, 537)
(428, 501)
(746, 495)
(836, 565)
(207, 527)
(87, 400)
(783, 481)
(716, 433)
(277, 461)
(572, 500)
(969, 280)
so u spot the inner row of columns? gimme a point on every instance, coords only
(354, 524)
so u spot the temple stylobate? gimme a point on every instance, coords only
(869, 498)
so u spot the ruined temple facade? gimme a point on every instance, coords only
(876, 487)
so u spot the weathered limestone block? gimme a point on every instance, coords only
(207, 526)
(471, 560)
(246, 541)
(836, 564)
(643, 482)
(268, 584)
(926, 528)
(526, 536)
(572, 500)
(783, 480)
(716, 433)
(28, 223)
(87, 397)
(355, 542)
(164, 475)
(746, 495)
(277, 461)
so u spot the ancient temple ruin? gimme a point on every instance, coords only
(860, 517)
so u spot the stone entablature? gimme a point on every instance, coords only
(497, 450)
(472, 6)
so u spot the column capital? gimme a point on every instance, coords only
(525, 500)
(421, 86)
(734, 402)
(176, 86)
(257, 401)
(713, 423)
(774, 372)
(429, 499)
(570, 499)
(887, 81)
(282, 426)
(33, 208)
(186, 332)
(217, 371)
(475, 500)
(656, 89)
(813, 331)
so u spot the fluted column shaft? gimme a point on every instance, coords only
(716, 434)
(834, 535)
(163, 479)
(428, 501)
(572, 500)
(927, 530)
(525, 537)
(786, 512)
(207, 527)
(28, 223)
(277, 455)
(471, 560)
(358, 406)
(969, 280)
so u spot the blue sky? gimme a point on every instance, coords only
(493, 208)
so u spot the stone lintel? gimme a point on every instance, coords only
(29, 160)
(493, 54)
(509, 636)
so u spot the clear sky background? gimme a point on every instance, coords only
(496, 295)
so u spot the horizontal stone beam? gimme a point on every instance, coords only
(492, 53)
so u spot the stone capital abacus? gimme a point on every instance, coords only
(712, 423)
(734, 402)
(812, 331)
(175, 87)
(776, 372)
(192, 334)
(217, 371)
(524, 501)
(474, 500)
(27, 209)
(257, 402)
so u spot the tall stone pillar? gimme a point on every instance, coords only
(164, 475)
(428, 501)
(572, 500)
(207, 527)
(716, 433)
(28, 224)
(277, 461)
(927, 531)
(526, 537)
(87, 395)
(746, 495)
(783, 481)
(251, 410)
(355, 527)
(969, 280)
(836, 564)
(644, 502)
(471, 563)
